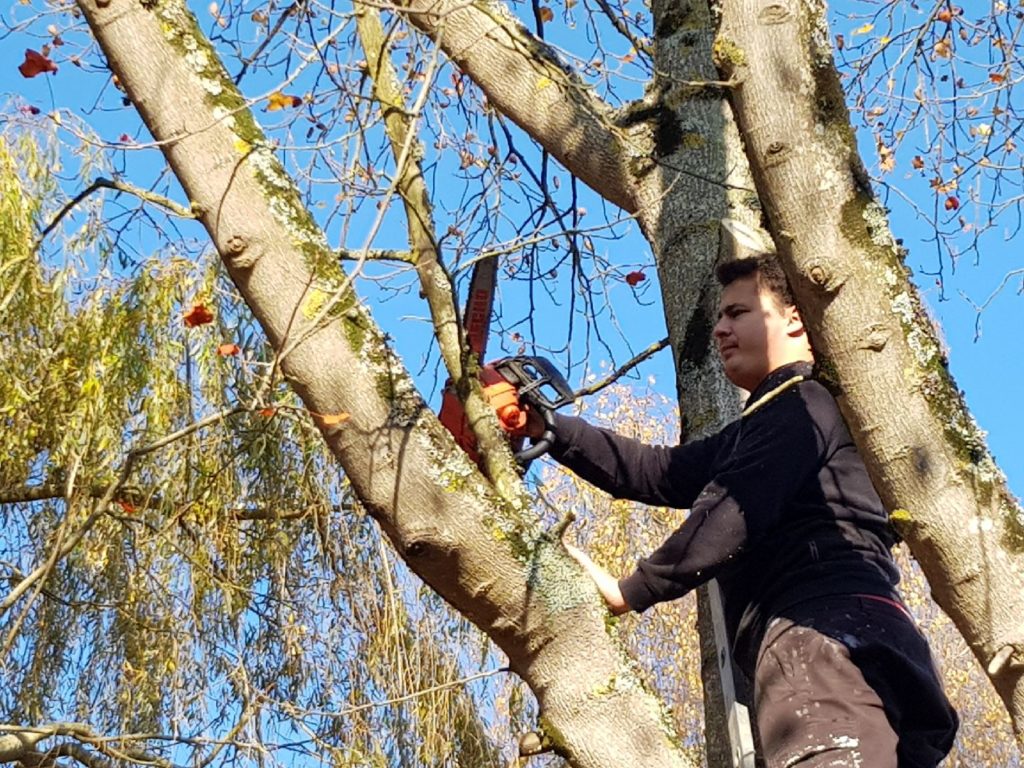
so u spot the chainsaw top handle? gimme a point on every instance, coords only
(540, 385)
(543, 444)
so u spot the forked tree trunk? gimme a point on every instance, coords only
(483, 554)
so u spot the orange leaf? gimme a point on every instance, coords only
(228, 349)
(952, 203)
(546, 14)
(635, 277)
(266, 413)
(127, 506)
(198, 315)
(35, 64)
(332, 419)
(278, 100)
(995, 77)
(917, 162)
(945, 15)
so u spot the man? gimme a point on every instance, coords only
(783, 514)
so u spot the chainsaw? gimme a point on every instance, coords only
(508, 383)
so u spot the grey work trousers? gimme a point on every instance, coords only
(849, 682)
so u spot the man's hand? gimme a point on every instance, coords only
(607, 584)
(535, 425)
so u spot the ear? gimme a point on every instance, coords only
(794, 322)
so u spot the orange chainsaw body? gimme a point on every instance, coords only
(501, 396)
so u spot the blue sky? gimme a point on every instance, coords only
(986, 360)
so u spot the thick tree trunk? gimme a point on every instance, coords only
(484, 555)
(874, 338)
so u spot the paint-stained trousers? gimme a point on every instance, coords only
(849, 681)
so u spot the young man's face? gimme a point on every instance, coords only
(754, 335)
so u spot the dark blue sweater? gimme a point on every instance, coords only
(781, 507)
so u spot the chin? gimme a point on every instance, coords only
(744, 379)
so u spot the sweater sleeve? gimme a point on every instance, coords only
(658, 475)
(778, 449)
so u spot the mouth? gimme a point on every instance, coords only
(726, 348)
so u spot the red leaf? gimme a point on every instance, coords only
(228, 350)
(266, 413)
(198, 315)
(29, 109)
(127, 506)
(952, 203)
(35, 64)
(635, 277)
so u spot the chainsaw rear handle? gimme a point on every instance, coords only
(543, 444)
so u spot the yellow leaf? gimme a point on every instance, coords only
(863, 29)
(91, 387)
(543, 83)
(943, 49)
(242, 146)
(278, 100)
(332, 419)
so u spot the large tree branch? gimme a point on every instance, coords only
(926, 456)
(486, 558)
(527, 82)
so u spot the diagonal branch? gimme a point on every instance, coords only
(622, 370)
(435, 281)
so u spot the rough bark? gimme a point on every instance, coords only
(484, 556)
(925, 455)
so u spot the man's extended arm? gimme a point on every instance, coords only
(778, 450)
(628, 469)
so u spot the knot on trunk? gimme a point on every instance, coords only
(238, 254)
(777, 153)
(824, 278)
(427, 544)
(774, 13)
(875, 337)
(1009, 656)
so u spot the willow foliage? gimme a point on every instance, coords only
(223, 598)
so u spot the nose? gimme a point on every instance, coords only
(720, 330)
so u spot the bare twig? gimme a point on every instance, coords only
(120, 186)
(622, 370)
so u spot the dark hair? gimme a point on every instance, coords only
(765, 267)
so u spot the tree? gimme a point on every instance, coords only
(671, 159)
